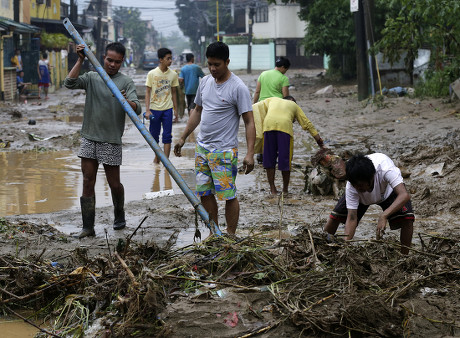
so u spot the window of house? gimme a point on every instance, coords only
(262, 14)
(48, 3)
(5, 4)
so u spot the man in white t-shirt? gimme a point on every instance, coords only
(374, 179)
(221, 100)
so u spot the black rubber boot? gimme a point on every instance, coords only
(119, 211)
(88, 213)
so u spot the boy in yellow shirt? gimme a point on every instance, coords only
(160, 100)
(279, 116)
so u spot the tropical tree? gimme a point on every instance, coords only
(420, 24)
(331, 30)
(133, 28)
(199, 18)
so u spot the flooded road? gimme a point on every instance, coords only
(15, 328)
(43, 182)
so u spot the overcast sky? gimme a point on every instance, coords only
(161, 12)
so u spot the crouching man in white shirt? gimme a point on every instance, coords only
(374, 179)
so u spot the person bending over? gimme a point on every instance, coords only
(374, 179)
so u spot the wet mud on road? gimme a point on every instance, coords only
(41, 179)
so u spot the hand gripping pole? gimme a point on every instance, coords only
(143, 130)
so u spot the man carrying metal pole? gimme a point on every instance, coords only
(222, 98)
(144, 131)
(102, 129)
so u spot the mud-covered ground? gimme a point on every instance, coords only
(421, 135)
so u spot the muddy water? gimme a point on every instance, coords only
(48, 182)
(13, 328)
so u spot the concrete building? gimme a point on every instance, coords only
(281, 23)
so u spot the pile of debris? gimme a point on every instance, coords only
(364, 288)
(326, 175)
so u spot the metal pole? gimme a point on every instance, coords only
(361, 67)
(251, 22)
(99, 31)
(145, 133)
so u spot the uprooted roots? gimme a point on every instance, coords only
(323, 287)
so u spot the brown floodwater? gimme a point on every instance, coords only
(44, 182)
(16, 328)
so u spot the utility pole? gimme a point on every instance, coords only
(73, 12)
(16, 10)
(368, 6)
(361, 59)
(251, 22)
(217, 16)
(99, 31)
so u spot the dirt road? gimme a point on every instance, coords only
(421, 135)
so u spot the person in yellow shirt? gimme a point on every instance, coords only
(161, 100)
(278, 116)
(16, 60)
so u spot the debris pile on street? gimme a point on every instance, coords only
(320, 284)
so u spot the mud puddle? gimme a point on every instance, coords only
(16, 328)
(45, 182)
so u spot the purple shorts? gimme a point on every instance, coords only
(277, 144)
(161, 117)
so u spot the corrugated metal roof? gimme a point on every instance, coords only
(18, 27)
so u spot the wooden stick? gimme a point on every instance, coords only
(226, 271)
(313, 247)
(40, 256)
(31, 323)
(24, 296)
(429, 319)
(280, 205)
(128, 240)
(264, 329)
(108, 246)
(127, 269)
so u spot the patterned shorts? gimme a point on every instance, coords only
(103, 152)
(216, 172)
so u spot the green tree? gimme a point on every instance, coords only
(199, 18)
(331, 30)
(175, 42)
(422, 24)
(133, 28)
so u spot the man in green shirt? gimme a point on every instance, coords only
(272, 83)
(102, 129)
